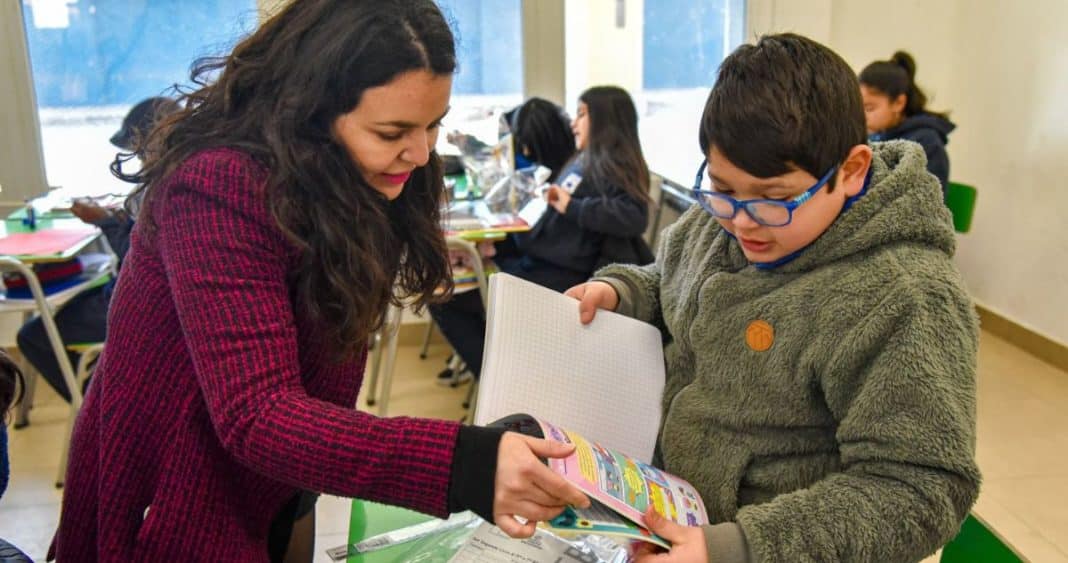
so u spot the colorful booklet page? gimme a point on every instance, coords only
(621, 488)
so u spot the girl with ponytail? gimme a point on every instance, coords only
(896, 108)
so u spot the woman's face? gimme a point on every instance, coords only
(880, 112)
(394, 127)
(580, 126)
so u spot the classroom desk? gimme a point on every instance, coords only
(48, 305)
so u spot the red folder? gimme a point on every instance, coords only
(44, 242)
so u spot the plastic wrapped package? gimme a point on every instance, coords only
(512, 192)
(481, 542)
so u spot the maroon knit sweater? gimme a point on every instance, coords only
(215, 401)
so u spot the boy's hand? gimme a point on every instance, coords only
(687, 543)
(526, 487)
(592, 296)
(558, 198)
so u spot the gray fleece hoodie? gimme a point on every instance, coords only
(851, 436)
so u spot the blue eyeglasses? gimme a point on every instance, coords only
(767, 212)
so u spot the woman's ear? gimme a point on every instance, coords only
(854, 170)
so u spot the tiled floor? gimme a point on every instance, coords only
(1022, 449)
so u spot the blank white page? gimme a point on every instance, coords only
(603, 380)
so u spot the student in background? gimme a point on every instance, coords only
(84, 318)
(297, 185)
(896, 108)
(598, 210)
(10, 383)
(541, 135)
(821, 345)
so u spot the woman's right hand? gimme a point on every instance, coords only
(592, 296)
(526, 487)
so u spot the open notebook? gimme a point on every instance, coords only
(603, 380)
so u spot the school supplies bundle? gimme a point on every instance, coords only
(620, 488)
(472, 218)
(541, 361)
(603, 383)
(48, 243)
(56, 276)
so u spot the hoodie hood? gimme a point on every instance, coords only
(903, 205)
(912, 125)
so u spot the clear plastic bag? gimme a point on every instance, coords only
(512, 192)
(443, 547)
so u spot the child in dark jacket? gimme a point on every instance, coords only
(598, 210)
(896, 108)
(820, 344)
(84, 318)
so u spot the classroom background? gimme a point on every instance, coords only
(73, 68)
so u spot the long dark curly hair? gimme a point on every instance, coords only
(276, 97)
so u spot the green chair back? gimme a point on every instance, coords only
(960, 198)
(975, 543)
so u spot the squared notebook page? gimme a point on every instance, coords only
(603, 380)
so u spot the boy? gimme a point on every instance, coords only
(821, 346)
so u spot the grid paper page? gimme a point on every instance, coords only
(603, 380)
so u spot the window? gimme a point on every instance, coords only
(684, 44)
(93, 59)
(490, 78)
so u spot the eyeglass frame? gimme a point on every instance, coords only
(790, 204)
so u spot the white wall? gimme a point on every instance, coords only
(600, 52)
(1002, 70)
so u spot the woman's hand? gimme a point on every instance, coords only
(88, 211)
(527, 488)
(687, 543)
(592, 296)
(558, 198)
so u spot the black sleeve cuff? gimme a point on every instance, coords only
(474, 470)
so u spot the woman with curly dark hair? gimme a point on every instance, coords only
(285, 207)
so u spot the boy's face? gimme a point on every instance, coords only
(880, 112)
(810, 219)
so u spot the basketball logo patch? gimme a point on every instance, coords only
(759, 335)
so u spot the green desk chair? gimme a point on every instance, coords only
(960, 198)
(975, 543)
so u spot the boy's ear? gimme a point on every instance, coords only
(854, 169)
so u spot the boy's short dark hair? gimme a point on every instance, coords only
(785, 103)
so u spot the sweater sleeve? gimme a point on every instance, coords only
(612, 212)
(226, 264)
(901, 385)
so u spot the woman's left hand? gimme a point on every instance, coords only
(687, 543)
(558, 198)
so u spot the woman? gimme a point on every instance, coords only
(598, 210)
(281, 206)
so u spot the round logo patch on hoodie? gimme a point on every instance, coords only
(759, 335)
